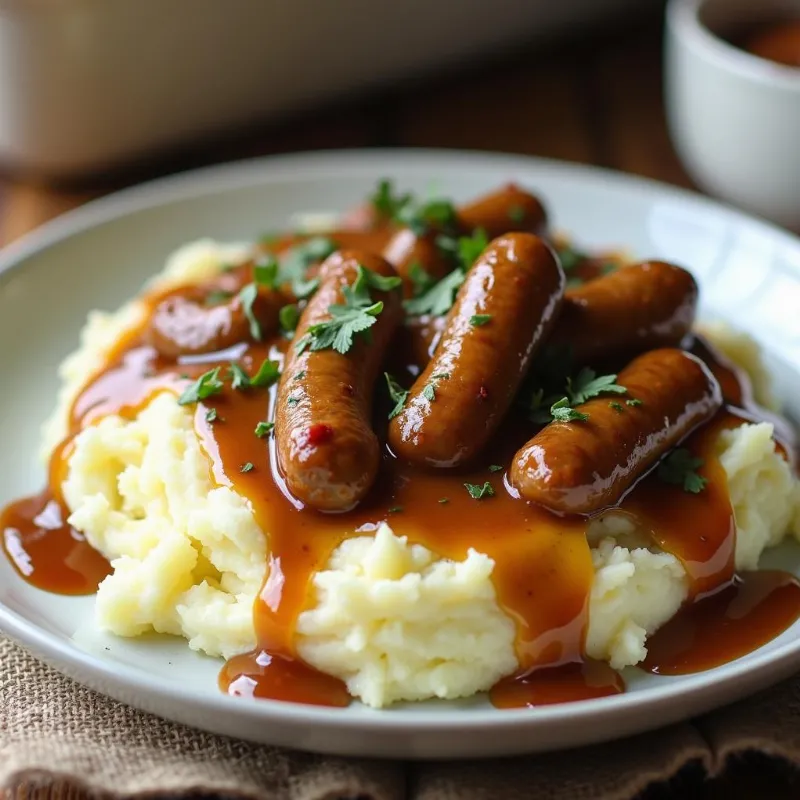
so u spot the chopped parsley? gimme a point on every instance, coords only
(397, 394)
(679, 468)
(247, 296)
(395, 509)
(386, 202)
(207, 384)
(429, 392)
(420, 279)
(574, 283)
(440, 376)
(494, 468)
(463, 249)
(569, 257)
(477, 492)
(239, 378)
(443, 500)
(357, 315)
(300, 375)
(288, 317)
(211, 415)
(266, 375)
(264, 429)
(479, 320)
(422, 218)
(217, 296)
(587, 385)
(247, 467)
(292, 401)
(616, 406)
(561, 411)
(516, 214)
(296, 260)
(634, 401)
(265, 272)
(438, 299)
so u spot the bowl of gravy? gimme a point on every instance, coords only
(732, 91)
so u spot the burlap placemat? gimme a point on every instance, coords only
(61, 740)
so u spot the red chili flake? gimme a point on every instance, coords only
(483, 393)
(319, 433)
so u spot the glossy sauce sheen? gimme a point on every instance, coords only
(778, 42)
(543, 569)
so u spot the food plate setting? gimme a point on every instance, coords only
(404, 453)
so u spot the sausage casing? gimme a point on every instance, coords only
(503, 311)
(637, 308)
(584, 467)
(327, 451)
(406, 248)
(507, 209)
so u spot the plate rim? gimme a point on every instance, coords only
(263, 171)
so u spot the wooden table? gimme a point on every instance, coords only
(596, 101)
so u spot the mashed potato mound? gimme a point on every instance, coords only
(391, 618)
(188, 557)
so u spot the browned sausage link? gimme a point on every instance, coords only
(630, 311)
(515, 288)
(406, 248)
(198, 319)
(327, 450)
(584, 467)
(508, 209)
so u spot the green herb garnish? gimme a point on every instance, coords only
(292, 401)
(634, 401)
(439, 298)
(211, 415)
(479, 492)
(239, 378)
(356, 315)
(563, 412)
(386, 202)
(587, 385)
(264, 429)
(397, 394)
(616, 406)
(679, 468)
(247, 296)
(395, 509)
(217, 296)
(421, 281)
(266, 375)
(479, 320)
(206, 385)
(288, 317)
(247, 467)
(516, 213)
(495, 468)
(443, 500)
(265, 272)
(429, 392)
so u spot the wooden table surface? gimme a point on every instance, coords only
(596, 100)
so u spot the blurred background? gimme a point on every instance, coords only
(96, 95)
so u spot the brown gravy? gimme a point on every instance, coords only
(530, 546)
(777, 41)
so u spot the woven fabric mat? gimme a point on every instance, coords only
(61, 740)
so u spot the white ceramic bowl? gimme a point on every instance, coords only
(734, 117)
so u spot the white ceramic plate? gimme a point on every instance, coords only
(100, 255)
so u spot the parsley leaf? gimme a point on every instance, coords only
(420, 279)
(587, 385)
(478, 320)
(562, 412)
(443, 500)
(679, 468)
(422, 218)
(211, 415)
(477, 492)
(296, 260)
(303, 289)
(247, 467)
(495, 468)
(616, 406)
(247, 296)
(570, 257)
(217, 296)
(439, 298)
(239, 378)
(267, 374)
(386, 202)
(292, 401)
(264, 429)
(539, 406)
(397, 394)
(207, 384)
(634, 401)
(429, 392)
(356, 315)
(470, 247)
(288, 317)
(265, 272)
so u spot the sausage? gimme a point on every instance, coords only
(327, 451)
(630, 311)
(584, 467)
(406, 248)
(185, 323)
(468, 385)
(508, 209)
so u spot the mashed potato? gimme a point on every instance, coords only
(391, 618)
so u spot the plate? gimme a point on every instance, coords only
(99, 255)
